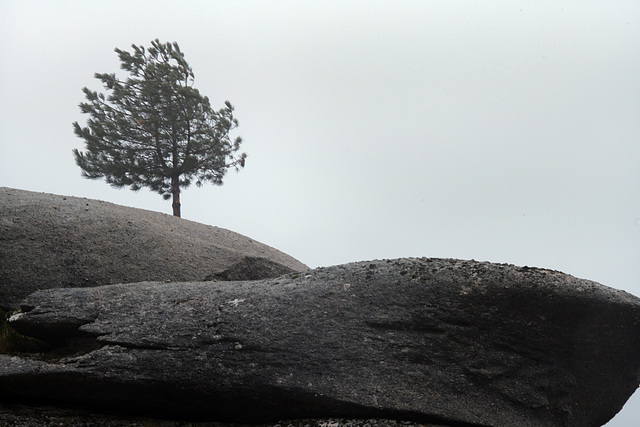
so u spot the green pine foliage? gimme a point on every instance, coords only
(154, 129)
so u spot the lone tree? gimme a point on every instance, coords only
(155, 129)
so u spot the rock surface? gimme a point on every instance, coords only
(450, 342)
(15, 415)
(49, 241)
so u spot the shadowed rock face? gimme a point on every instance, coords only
(16, 415)
(49, 241)
(449, 342)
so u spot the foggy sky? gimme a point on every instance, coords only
(504, 131)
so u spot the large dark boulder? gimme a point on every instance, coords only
(49, 241)
(450, 342)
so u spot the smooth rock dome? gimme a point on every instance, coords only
(51, 241)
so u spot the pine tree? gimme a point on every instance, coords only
(154, 129)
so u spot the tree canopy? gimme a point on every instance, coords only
(154, 129)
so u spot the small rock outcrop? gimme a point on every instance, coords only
(50, 241)
(447, 342)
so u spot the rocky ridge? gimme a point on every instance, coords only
(131, 317)
(446, 342)
(51, 241)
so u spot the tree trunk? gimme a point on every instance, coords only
(175, 191)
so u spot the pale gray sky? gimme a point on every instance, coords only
(506, 131)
